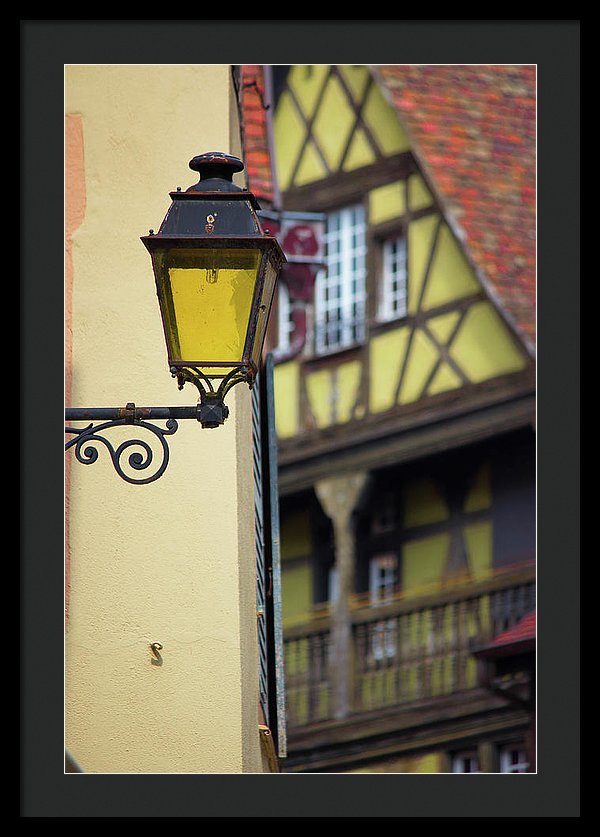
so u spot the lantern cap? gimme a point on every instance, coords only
(216, 170)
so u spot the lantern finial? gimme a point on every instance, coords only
(216, 171)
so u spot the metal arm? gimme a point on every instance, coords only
(210, 411)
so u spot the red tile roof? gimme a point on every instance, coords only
(473, 130)
(472, 127)
(525, 629)
(257, 157)
(521, 634)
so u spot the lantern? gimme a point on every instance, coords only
(215, 271)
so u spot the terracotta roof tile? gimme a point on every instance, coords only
(257, 158)
(473, 130)
(525, 629)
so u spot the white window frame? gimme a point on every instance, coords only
(393, 285)
(506, 764)
(460, 759)
(285, 324)
(340, 292)
(383, 579)
(333, 581)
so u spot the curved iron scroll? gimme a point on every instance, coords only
(203, 382)
(88, 439)
(210, 411)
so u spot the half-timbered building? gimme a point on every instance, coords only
(404, 374)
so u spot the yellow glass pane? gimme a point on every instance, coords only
(264, 309)
(208, 307)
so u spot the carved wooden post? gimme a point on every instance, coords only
(338, 497)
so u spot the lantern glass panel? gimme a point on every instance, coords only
(264, 309)
(206, 298)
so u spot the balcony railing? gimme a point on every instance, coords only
(411, 649)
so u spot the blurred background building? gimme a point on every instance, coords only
(404, 348)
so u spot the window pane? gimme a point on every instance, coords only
(284, 317)
(392, 299)
(340, 288)
(513, 759)
(465, 763)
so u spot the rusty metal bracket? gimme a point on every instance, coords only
(89, 440)
(156, 648)
(210, 411)
(268, 746)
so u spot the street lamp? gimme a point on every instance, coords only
(215, 270)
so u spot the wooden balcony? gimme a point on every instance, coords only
(409, 651)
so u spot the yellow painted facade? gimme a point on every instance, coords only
(333, 143)
(386, 356)
(387, 202)
(408, 572)
(170, 562)
(316, 135)
(483, 346)
(297, 574)
(423, 503)
(286, 379)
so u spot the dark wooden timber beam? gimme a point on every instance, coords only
(436, 725)
(395, 444)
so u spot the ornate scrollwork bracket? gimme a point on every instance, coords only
(210, 411)
(88, 441)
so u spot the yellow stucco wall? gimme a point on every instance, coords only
(173, 561)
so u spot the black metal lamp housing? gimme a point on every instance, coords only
(215, 270)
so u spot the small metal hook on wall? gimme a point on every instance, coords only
(156, 649)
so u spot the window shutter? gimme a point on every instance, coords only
(268, 570)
